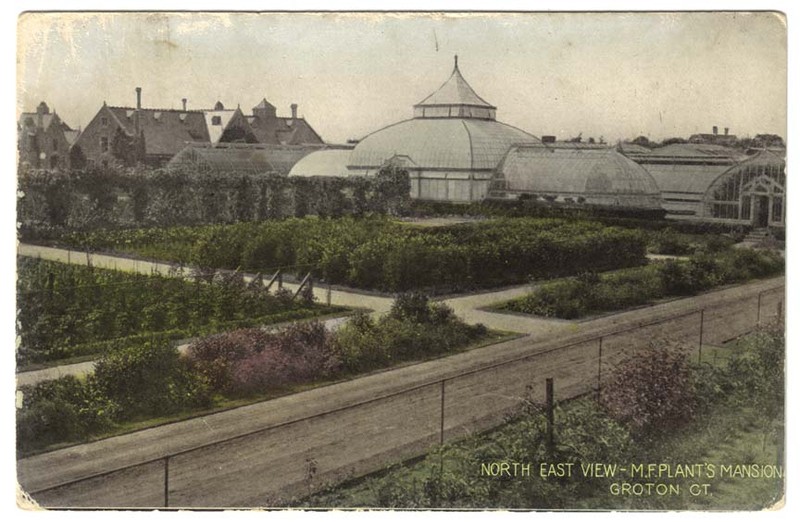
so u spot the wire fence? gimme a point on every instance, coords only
(268, 465)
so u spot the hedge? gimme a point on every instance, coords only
(376, 253)
(591, 293)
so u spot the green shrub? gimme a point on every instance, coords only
(149, 380)
(61, 410)
(676, 278)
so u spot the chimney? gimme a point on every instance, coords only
(714, 130)
(184, 103)
(136, 114)
(726, 131)
(294, 111)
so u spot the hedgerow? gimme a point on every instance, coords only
(380, 254)
(590, 293)
(54, 202)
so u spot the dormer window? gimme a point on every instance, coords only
(182, 117)
(157, 116)
(216, 120)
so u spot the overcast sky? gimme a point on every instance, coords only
(612, 75)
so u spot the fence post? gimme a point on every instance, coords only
(329, 293)
(700, 344)
(166, 481)
(599, 366)
(758, 312)
(550, 414)
(441, 418)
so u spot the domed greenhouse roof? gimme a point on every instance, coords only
(573, 171)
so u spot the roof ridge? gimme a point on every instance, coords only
(198, 111)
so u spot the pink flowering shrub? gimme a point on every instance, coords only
(253, 360)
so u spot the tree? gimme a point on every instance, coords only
(642, 141)
(77, 159)
(670, 141)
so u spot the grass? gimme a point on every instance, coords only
(725, 437)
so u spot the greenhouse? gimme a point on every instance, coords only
(323, 163)
(450, 148)
(751, 192)
(241, 157)
(575, 173)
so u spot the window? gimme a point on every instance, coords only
(55, 144)
(777, 209)
(103, 144)
(216, 120)
(104, 121)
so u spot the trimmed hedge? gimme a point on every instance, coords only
(379, 254)
(591, 293)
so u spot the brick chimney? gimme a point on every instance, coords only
(183, 100)
(294, 111)
(726, 131)
(714, 130)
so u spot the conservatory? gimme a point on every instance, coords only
(752, 192)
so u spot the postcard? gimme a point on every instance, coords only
(401, 260)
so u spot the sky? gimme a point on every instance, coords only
(616, 75)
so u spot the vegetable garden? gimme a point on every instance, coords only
(376, 253)
(67, 311)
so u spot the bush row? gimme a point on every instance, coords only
(54, 201)
(380, 254)
(592, 293)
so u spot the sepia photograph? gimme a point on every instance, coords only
(401, 260)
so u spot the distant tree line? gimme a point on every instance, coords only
(116, 197)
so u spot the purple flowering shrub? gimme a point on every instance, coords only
(254, 360)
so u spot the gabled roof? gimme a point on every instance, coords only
(71, 136)
(264, 104)
(166, 131)
(455, 91)
(284, 131)
(47, 119)
(224, 115)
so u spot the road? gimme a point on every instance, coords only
(347, 429)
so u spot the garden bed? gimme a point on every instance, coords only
(151, 383)
(591, 293)
(72, 312)
(379, 254)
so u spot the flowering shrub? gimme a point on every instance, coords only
(253, 360)
(652, 392)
